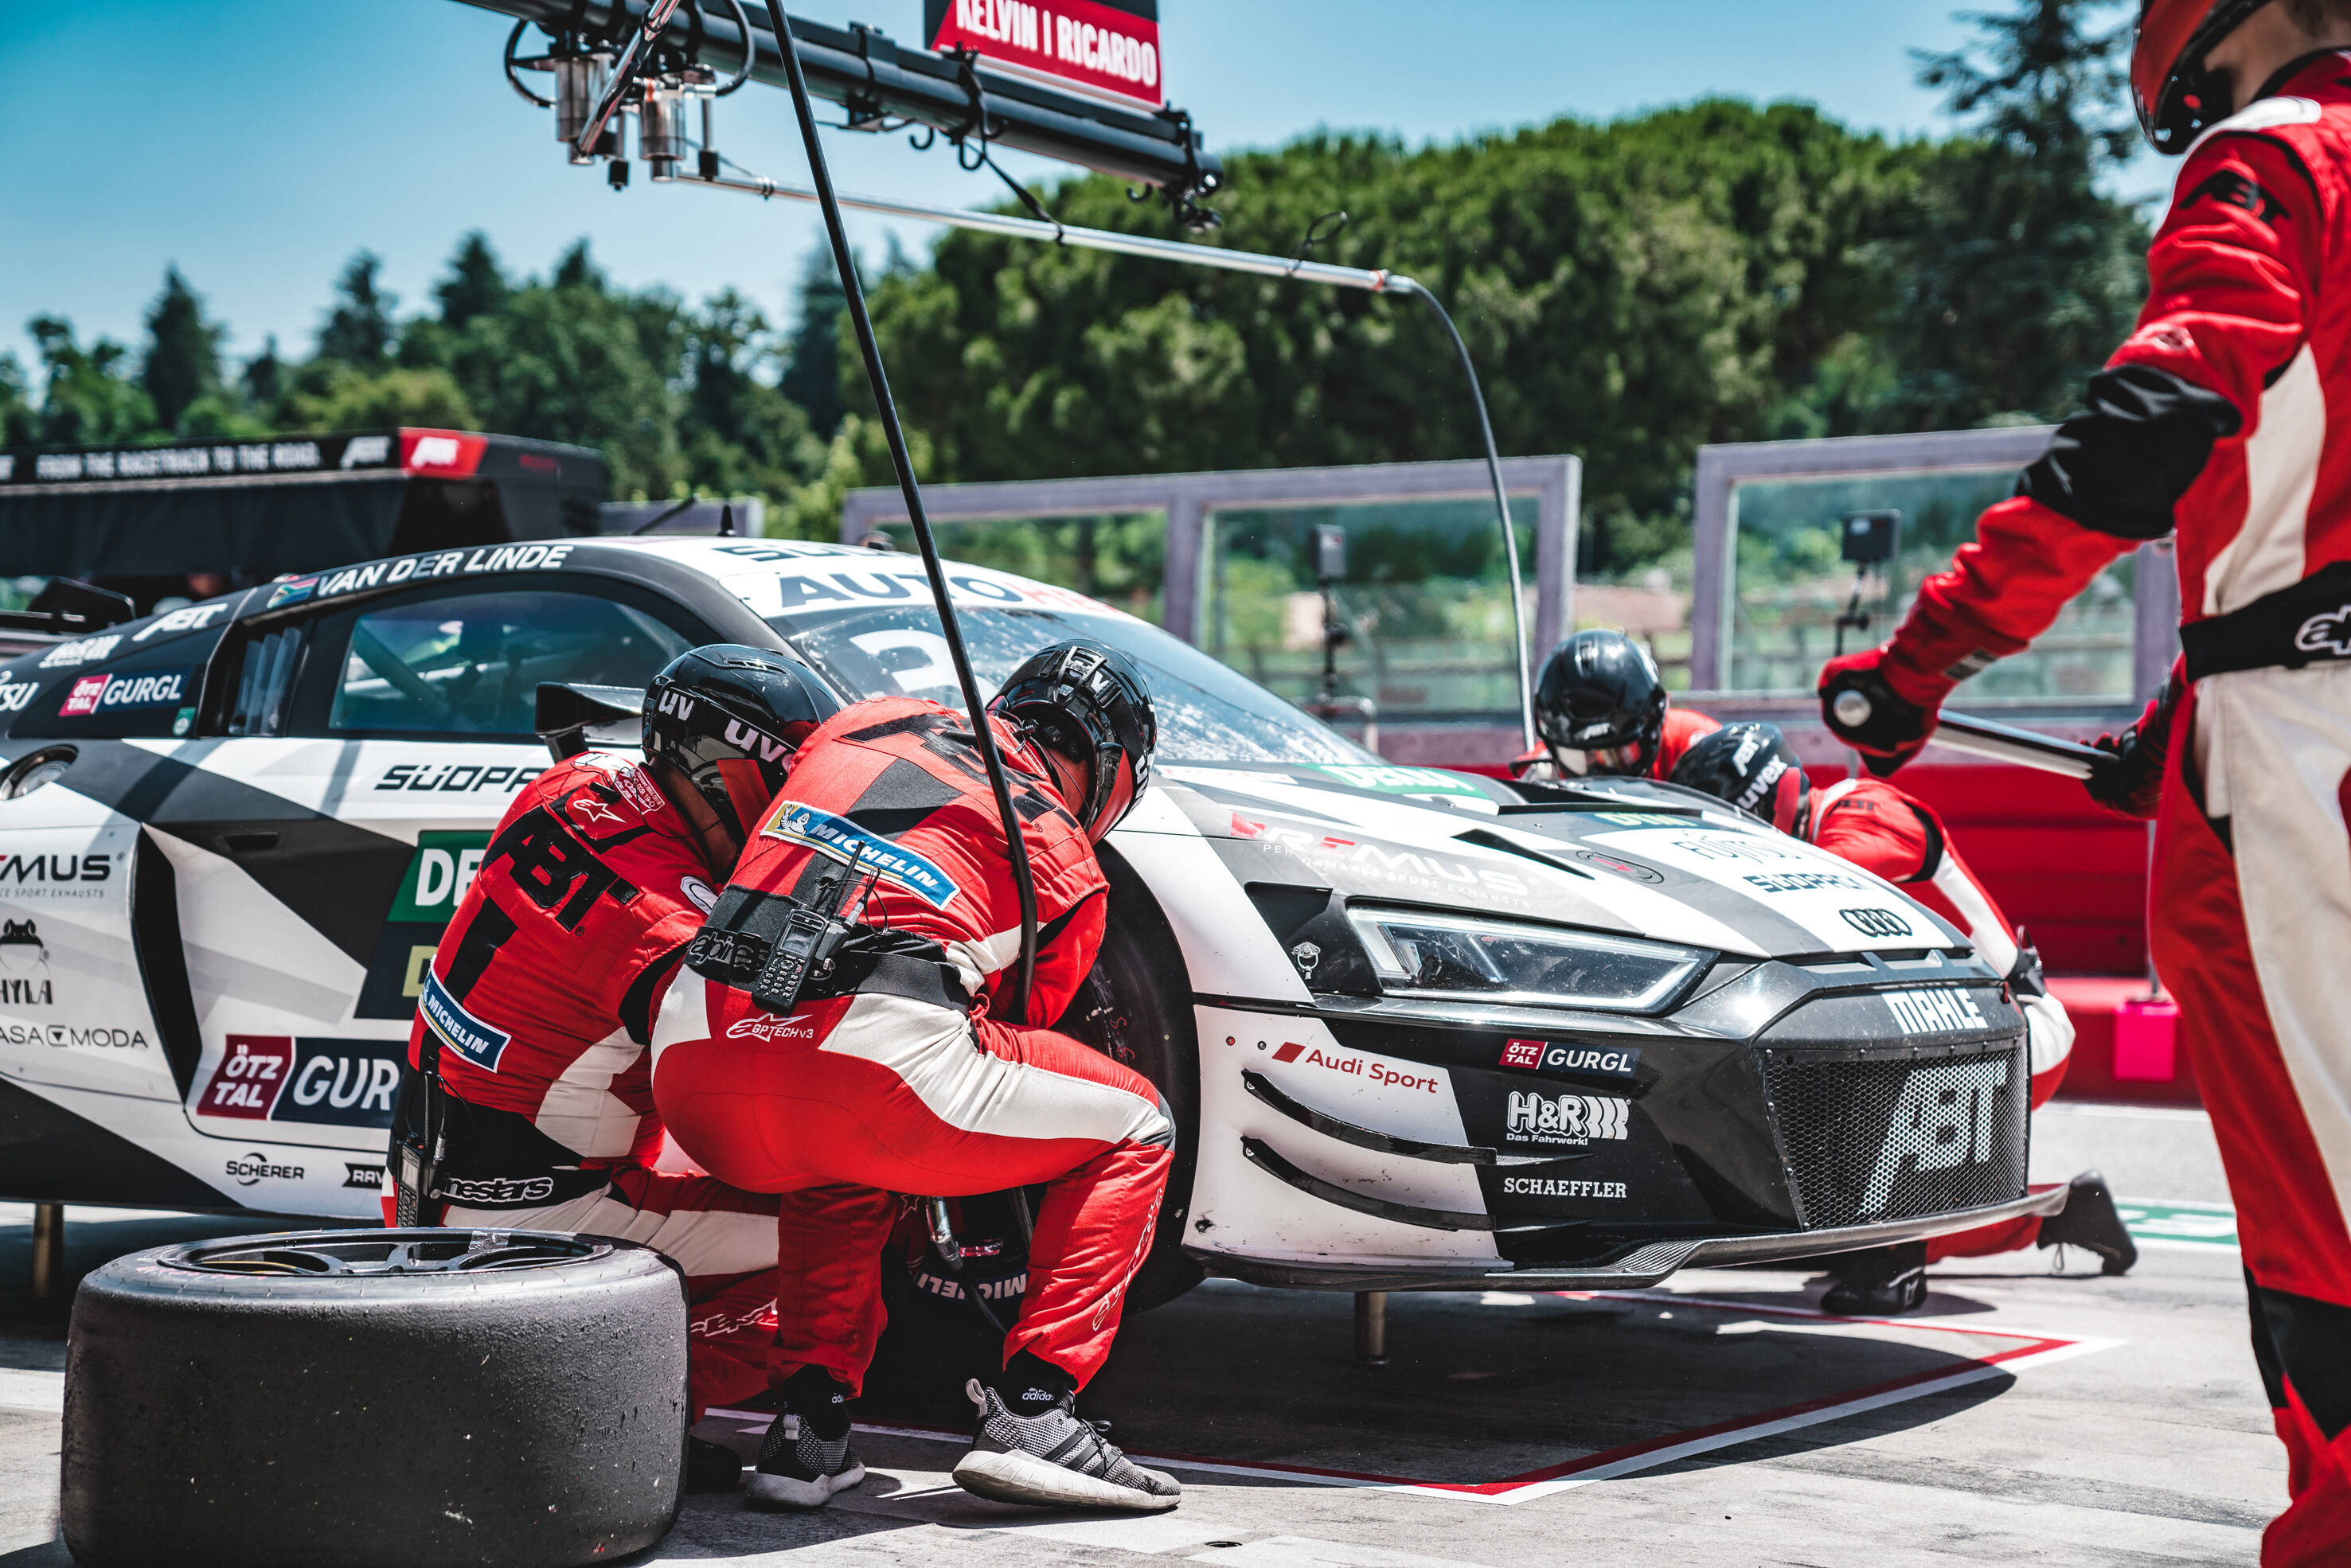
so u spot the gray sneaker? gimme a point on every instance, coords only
(800, 1469)
(1055, 1460)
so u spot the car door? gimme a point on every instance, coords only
(366, 750)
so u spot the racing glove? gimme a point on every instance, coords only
(1864, 707)
(2131, 782)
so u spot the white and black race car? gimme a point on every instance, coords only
(1421, 1029)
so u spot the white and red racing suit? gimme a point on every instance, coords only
(1890, 834)
(1684, 728)
(538, 1012)
(903, 1079)
(2223, 416)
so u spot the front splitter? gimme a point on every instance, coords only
(1644, 1266)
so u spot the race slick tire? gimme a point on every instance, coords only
(407, 1399)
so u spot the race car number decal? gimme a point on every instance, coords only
(795, 824)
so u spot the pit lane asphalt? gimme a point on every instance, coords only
(2126, 1426)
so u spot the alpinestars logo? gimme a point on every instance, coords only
(1566, 1118)
(2328, 632)
(1944, 1120)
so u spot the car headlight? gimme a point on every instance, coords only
(1452, 956)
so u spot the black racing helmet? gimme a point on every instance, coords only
(1753, 767)
(730, 719)
(1599, 705)
(1088, 702)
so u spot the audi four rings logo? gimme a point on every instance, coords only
(1875, 922)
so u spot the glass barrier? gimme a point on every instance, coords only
(1121, 560)
(1425, 602)
(1792, 586)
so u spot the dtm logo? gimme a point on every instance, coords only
(2328, 632)
(1557, 1056)
(1938, 1012)
(1875, 922)
(1567, 1118)
(1943, 1121)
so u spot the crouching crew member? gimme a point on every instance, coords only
(893, 1069)
(1601, 708)
(1893, 836)
(527, 1102)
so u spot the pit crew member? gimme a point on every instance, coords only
(1897, 836)
(1601, 708)
(899, 1070)
(2219, 418)
(527, 1102)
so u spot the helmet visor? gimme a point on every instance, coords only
(1605, 759)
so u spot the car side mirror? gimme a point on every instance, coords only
(566, 710)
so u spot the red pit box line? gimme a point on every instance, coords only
(2035, 1350)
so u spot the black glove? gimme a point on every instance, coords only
(2131, 781)
(1889, 729)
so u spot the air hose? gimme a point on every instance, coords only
(870, 347)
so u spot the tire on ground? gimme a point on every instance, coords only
(396, 1398)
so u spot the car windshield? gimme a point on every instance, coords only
(1206, 712)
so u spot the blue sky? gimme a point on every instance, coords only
(258, 143)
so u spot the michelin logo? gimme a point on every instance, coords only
(460, 1031)
(837, 836)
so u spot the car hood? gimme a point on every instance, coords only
(1626, 855)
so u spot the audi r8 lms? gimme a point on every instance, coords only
(1421, 1029)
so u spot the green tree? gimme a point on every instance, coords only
(182, 361)
(18, 414)
(572, 360)
(263, 380)
(2019, 275)
(89, 394)
(742, 433)
(1629, 290)
(475, 285)
(811, 375)
(361, 327)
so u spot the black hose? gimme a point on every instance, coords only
(1016, 851)
(1501, 507)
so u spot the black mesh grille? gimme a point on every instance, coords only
(1887, 1139)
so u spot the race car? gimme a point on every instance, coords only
(1420, 1028)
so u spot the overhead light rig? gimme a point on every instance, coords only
(648, 58)
(612, 61)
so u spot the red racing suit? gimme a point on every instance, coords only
(910, 1083)
(538, 1009)
(2223, 416)
(1890, 834)
(1684, 728)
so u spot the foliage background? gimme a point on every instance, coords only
(1632, 289)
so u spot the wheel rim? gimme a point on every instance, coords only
(331, 1254)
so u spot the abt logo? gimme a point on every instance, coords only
(1943, 1121)
(1567, 1118)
